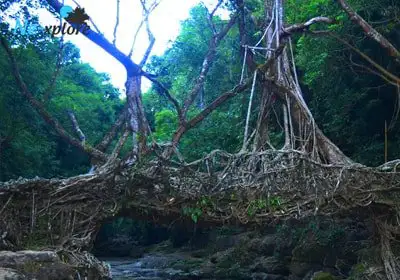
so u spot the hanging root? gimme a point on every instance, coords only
(222, 187)
(390, 261)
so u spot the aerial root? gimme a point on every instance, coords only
(390, 262)
(221, 187)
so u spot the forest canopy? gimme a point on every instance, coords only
(349, 98)
(276, 111)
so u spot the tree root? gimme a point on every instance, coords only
(222, 187)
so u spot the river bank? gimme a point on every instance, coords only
(317, 249)
(312, 249)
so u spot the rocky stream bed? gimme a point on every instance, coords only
(316, 249)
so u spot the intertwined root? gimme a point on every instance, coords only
(249, 187)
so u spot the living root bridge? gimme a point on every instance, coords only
(222, 187)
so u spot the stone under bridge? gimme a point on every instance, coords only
(220, 188)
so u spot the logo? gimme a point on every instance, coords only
(77, 18)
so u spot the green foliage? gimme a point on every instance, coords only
(205, 202)
(221, 129)
(255, 206)
(349, 103)
(322, 234)
(193, 213)
(166, 122)
(259, 205)
(357, 271)
(324, 276)
(28, 147)
(202, 205)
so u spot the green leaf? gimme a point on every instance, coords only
(194, 217)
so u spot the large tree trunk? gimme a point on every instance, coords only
(308, 135)
(136, 117)
(279, 80)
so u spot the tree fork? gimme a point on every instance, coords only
(300, 113)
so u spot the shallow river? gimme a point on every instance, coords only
(149, 267)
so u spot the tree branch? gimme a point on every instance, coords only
(239, 88)
(167, 95)
(303, 26)
(211, 15)
(226, 29)
(210, 108)
(116, 23)
(145, 19)
(108, 138)
(56, 72)
(76, 127)
(207, 63)
(368, 69)
(42, 111)
(135, 37)
(369, 30)
(120, 144)
(216, 8)
(150, 35)
(243, 37)
(394, 78)
(132, 68)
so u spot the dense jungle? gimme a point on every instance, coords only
(267, 145)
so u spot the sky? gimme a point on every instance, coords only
(164, 21)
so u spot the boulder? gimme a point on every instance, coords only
(16, 259)
(46, 265)
(270, 265)
(311, 252)
(54, 271)
(264, 246)
(10, 274)
(266, 276)
(320, 275)
(300, 269)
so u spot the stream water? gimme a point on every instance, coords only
(149, 267)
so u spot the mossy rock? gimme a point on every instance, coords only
(187, 265)
(162, 247)
(310, 252)
(270, 265)
(234, 272)
(357, 271)
(31, 267)
(53, 271)
(238, 255)
(323, 276)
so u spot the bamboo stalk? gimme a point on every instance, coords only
(386, 142)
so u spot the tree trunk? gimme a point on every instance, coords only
(278, 79)
(136, 117)
(310, 137)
